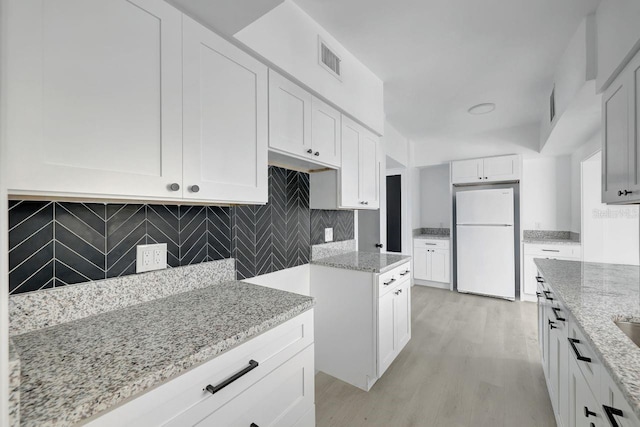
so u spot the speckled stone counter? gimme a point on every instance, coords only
(363, 261)
(432, 237)
(14, 385)
(77, 369)
(551, 241)
(595, 294)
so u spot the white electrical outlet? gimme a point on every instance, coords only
(151, 257)
(328, 234)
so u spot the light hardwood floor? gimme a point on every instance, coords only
(471, 361)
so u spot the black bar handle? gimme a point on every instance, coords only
(627, 192)
(573, 342)
(552, 325)
(538, 294)
(546, 295)
(611, 413)
(539, 279)
(405, 272)
(555, 312)
(214, 389)
(588, 413)
(389, 282)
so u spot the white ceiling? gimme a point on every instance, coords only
(439, 57)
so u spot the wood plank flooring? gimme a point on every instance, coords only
(471, 361)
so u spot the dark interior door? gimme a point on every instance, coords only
(394, 213)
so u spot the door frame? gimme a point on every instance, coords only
(404, 207)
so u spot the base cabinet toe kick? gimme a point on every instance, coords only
(581, 390)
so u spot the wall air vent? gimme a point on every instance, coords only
(552, 104)
(329, 60)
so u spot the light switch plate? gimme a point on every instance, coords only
(328, 234)
(151, 257)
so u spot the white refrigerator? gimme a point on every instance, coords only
(485, 242)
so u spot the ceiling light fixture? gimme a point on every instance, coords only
(484, 108)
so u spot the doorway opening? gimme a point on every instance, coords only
(394, 213)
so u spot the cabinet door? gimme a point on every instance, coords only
(558, 361)
(289, 117)
(94, 96)
(325, 133)
(615, 144)
(584, 409)
(440, 265)
(530, 270)
(634, 129)
(369, 172)
(504, 168)
(386, 331)
(612, 397)
(466, 171)
(421, 257)
(225, 120)
(402, 315)
(349, 172)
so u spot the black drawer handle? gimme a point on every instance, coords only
(539, 279)
(538, 294)
(546, 295)
(588, 413)
(580, 357)
(611, 413)
(555, 312)
(405, 273)
(214, 389)
(627, 192)
(552, 324)
(389, 282)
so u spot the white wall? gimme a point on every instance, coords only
(584, 152)
(618, 37)
(395, 145)
(296, 280)
(435, 197)
(288, 37)
(546, 193)
(610, 234)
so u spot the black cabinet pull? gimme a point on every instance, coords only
(620, 193)
(580, 357)
(588, 413)
(611, 415)
(309, 151)
(214, 389)
(546, 295)
(317, 153)
(555, 312)
(254, 425)
(552, 325)
(405, 273)
(378, 245)
(627, 192)
(539, 279)
(538, 294)
(389, 282)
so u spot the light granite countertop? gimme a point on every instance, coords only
(432, 237)
(77, 369)
(542, 241)
(595, 294)
(363, 261)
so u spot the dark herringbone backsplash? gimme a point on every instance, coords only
(58, 243)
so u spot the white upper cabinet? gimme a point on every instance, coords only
(225, 120)
(359, 177)
(289, 117)
(490, 169)
(325, 133)
(621, 137)
(466, 171)
(94, 96)
(300, 125)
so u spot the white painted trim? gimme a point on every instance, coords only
(431, 284)
(584, 159)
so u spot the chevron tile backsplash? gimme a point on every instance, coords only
(58, 243)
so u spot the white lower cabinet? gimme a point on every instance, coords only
(363, 321)
(278, 390)
(550, 251)
(582, 392)
(431, 260)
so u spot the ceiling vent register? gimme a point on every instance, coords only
(329, 60)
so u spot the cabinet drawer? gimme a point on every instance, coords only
(431, 244)
(390, 279)
(580, 351)
(553, 251)
(187, 391)
(279, 399)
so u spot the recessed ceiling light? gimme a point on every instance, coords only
(484, 108)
